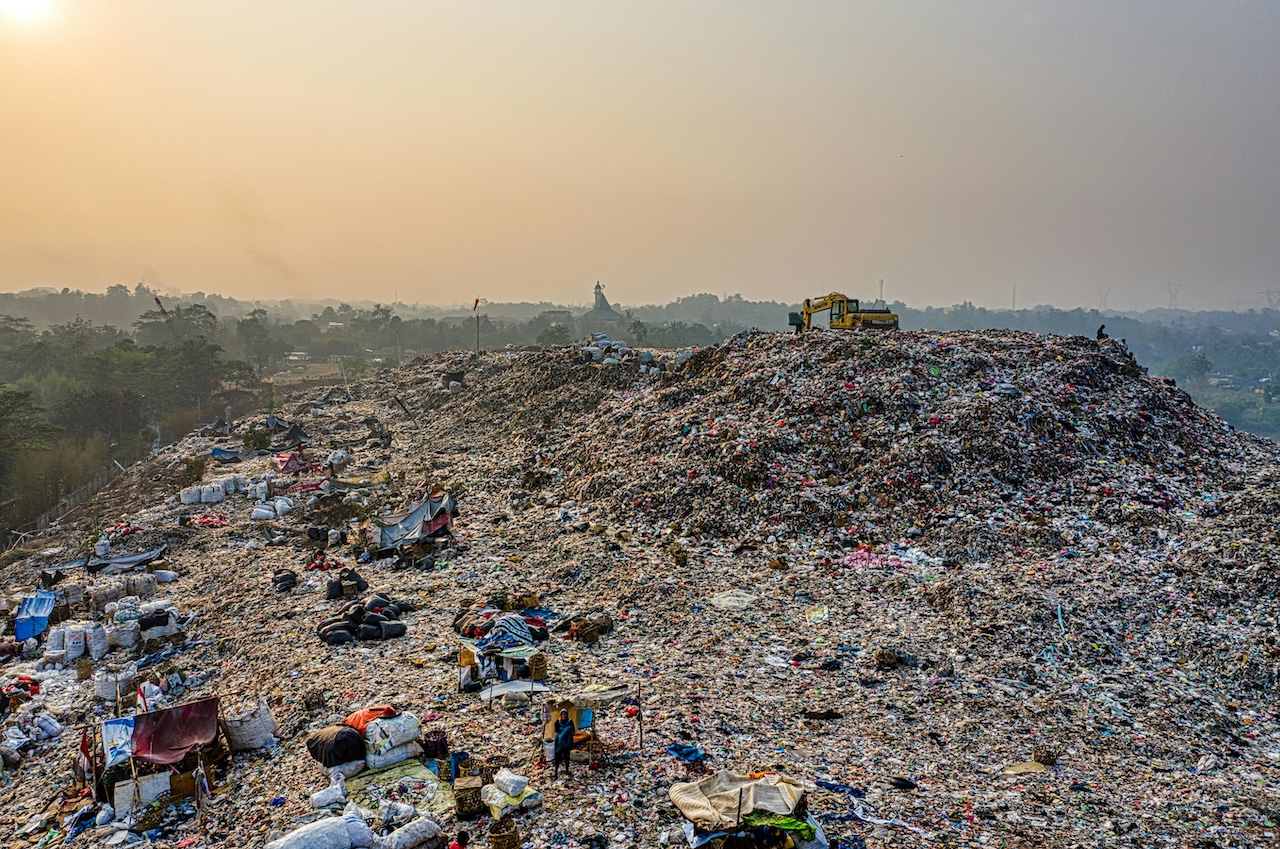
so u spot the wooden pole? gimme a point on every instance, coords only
(640, 715)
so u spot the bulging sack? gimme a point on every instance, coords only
(510, 783)
(96, 641)
(124, 635)
(382, 735)
(412, 834)
(393, 756)
(74, 642)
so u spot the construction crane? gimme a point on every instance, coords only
(168, 319)
(846, 314)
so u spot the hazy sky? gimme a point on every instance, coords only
(523, 150)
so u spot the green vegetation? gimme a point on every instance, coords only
(88, 379)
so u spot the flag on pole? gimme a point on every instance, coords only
(476, 305)
(86, 758)
(142, 698)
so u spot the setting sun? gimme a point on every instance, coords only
(25, 11)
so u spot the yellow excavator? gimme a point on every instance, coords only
(846, 314)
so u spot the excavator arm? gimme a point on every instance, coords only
(846, 314)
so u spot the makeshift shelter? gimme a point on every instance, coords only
(582, 707)
(421, 522)
(292, 463)
(33, 614)
(728, 809)
(124, 563)
(176, 739)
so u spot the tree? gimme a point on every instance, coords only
(638, 331)
(22, 427)
(556, 334)
(1189, 368)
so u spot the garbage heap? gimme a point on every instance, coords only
(966, 589)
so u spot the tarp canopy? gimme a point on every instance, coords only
(715, 802)
(166, 736)
(33, 614)
(420, 522)
(600, 695)
(124, 563)
(291, 463)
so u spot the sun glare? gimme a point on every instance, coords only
(25, 11)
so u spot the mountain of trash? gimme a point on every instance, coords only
(967, 443)
(963, 589)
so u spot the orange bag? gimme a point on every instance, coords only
(360, 719)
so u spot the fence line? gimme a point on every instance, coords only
(68, 503)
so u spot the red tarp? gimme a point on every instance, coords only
(166, 736)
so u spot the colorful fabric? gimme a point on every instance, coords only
(166, 736)
(117, 740)
(780, 821)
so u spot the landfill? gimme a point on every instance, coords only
(966, 589)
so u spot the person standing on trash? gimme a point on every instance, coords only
(564, 742)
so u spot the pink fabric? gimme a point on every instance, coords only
(166, 736)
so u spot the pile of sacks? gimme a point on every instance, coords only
(284, 580)
(372, 738)
(352, 831)
(273, 509)
(214, 491)
(347, 583)
(377, 618)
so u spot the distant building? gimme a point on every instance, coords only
(601, 318)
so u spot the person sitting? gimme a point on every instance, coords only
(1102, 332)
(564, 742)
(462, 842)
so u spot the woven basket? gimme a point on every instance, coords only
(538, 666)
(529, 600)
(486, 775)
(84, 669)
(470, 766)
(252, 731)
(497, 762)
(443, 771)
(589, 632)
(1045, 754)
(469, 804)
(435, 743)
(503, 834)
(466, 657)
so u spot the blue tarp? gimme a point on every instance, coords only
(33, 614)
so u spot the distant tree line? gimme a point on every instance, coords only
(90, 378)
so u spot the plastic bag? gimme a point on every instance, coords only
(413, 834)
(510, 783)
(334, 793)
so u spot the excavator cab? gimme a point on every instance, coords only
(846, 314)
